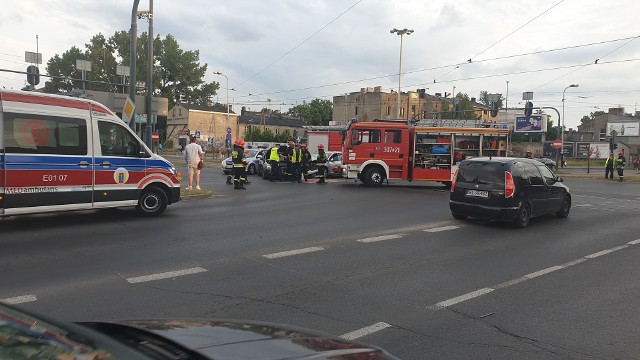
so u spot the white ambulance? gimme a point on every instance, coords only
(62, 153)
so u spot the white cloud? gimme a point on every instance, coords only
(243, 37)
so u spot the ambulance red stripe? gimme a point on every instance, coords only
(41, 100)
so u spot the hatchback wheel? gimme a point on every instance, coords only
(524, 216)
(458, 216)
(564, 209)
(252, 169)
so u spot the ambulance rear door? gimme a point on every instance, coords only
(47, 159)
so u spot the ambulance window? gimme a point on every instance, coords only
(116, 140)
(36, 134)
(393, 136)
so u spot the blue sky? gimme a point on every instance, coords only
(290, 51)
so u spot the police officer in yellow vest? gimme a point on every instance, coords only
(296, 158)
(274, 160)
(609, 164)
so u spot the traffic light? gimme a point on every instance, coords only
(494, 109)
(33, 75)
(615, 146)
(528, 109)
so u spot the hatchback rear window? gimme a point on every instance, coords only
(481, 173)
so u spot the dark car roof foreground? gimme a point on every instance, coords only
(24, 335)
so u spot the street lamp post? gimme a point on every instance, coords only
(401, 33)
(227, 144)
(562, 127)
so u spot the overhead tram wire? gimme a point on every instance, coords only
(446, 66)
(499, 41)
(595, 62)
(304, 41)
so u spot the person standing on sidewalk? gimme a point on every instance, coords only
(620, 162)
(193, 155)
(608, 167)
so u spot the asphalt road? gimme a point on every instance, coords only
(386, 266)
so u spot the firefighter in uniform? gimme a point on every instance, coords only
(239, 167)
(295, 163)
(305, 160)
(620, 163)
(321, 163)
(274, 161)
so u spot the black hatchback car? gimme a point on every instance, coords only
(507, 189)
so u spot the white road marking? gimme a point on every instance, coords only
(165, 275)
(293, 252)
(19, 299)
(583, 205)
(465, 297)
(380, 238)
(484, 291)
(442, 228)
(365, 331)
(543, 272)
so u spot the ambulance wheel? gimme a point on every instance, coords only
(152, 202)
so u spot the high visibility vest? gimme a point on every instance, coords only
(295, 156)
(273, 155)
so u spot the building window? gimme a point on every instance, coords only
(388, 110)
(401, 111)
(356, 110)
(413, 109)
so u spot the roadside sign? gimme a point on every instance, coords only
(197, 134)
(127, 110)
(556, 144)
(155, 136)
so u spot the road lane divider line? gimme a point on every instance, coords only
(543, 272)
(19, 299)
(380, 238)
(465, 297)
(533, 275)
(293, 252)
(165, 275)
(442, 228)
(368, 330)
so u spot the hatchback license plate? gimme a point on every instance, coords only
(478, 193)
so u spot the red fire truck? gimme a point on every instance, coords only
(428, 150)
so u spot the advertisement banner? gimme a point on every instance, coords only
(568, 149)
(582, 150)
(532, 124)
(623, 128)
(599, 150)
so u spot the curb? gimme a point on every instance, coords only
(195, 194)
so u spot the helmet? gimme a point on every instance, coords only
(239, 142)
(620, 154)
(528, 151)
(304, 146)
(320, 146)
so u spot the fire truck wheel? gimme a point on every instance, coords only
(374, 176)
(152, 202)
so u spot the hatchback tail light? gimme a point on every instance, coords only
(453, 182)
(509, 185)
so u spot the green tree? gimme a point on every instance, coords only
(465, 109)
(317, 113)
(484, 99)
(177, 75)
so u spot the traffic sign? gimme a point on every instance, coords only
(556, 144)
(155, 136)
(197, 134)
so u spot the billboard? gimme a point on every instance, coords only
(623, 128)
(582, 150)
(568, 149)
(532, 123)
(598, 150)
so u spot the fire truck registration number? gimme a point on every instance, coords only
(389, 149)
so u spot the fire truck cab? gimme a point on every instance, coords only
(429, 151)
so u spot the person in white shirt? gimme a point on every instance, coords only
(193, 154)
